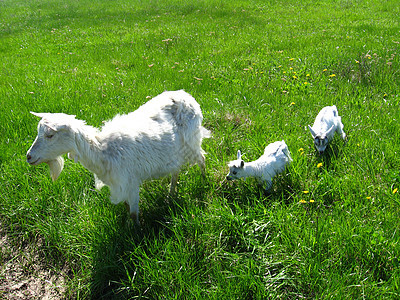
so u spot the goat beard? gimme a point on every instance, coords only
(56, 166)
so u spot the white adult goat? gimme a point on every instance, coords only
(274, 160)
(155, 140)
(326, 124)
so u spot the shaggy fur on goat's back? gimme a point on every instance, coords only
(157, 139)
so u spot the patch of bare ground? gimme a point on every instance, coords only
(25, 273)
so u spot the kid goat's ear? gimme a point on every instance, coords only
(239, 154)
(329, 130)
(312, 131)
(242, 164)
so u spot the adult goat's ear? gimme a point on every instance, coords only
(62, 127)
(51, 126)
(241, 163)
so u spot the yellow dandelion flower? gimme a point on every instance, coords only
(306, 192)
(312, 201)
(395, 190)
(292, 103)
(332, 75)
(308, 75)
(368, 198)
(320, 165)
(294, 77)
(290, 59)
(300, 150)
(357, 62)
(303, 201)
(324, 70)
(279, 66)
(290, 68)
(305, 83)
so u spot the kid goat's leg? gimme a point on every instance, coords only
(340, 128)
(268, 184)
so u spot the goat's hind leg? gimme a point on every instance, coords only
(201, 162)
(340, 128)
(133, 206)
(268, 186)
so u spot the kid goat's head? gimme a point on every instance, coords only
(236, 168)
(320, 139)
(53, 140)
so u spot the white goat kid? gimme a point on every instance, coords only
(155, 140)
(274, 160)
(326, 124)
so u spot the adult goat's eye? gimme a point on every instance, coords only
(49, 136)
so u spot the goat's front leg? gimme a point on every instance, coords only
(174, 181)
(268, 184)
(133, 205)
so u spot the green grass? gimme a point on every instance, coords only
(261, 71)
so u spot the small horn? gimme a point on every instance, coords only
(312, 131)
(239, 154)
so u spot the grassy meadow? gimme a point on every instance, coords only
(261, 71)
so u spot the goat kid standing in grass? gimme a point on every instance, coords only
(154, 141)
(274, 160)
(326, 124)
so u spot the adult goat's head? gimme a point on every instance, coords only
(54, 139)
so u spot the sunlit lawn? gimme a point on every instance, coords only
(261, 71)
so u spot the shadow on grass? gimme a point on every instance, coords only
(332, 152)
(245, 192)
(118, 255)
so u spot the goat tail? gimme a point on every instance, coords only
(187, 115)
(185, 110)
(205, 133)
(188, 118)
